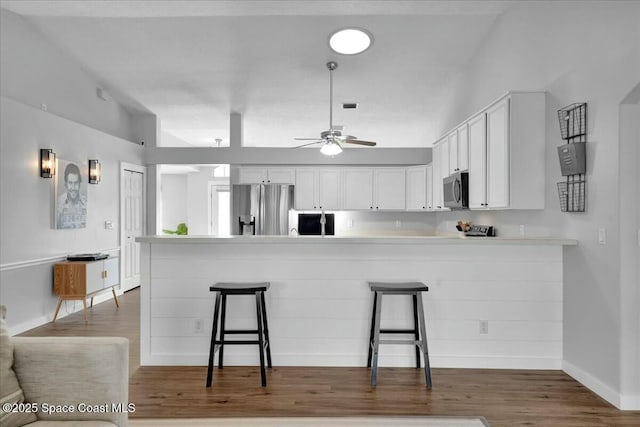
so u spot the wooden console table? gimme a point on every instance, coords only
(76, 280)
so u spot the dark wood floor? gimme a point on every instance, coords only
(503, 397)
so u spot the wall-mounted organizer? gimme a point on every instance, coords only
(572, 157)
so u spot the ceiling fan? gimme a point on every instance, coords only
(332, 138)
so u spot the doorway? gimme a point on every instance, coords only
(132, 223)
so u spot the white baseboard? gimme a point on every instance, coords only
(593, 384)
(355, 360)
(72, 306)
(630, 402)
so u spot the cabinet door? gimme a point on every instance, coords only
(498, 155)
(111, 269)
(389, 188)
(463, 148)
(417, 188)
(358, 188)
(249, 175)
(437, 178)
(477, 162)
(305, 190)
(452, 144)
(429, 176)
(95, 276)
(281, 176)
(328, 184)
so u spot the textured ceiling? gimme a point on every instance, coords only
(192, 63)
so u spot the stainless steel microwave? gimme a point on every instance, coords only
(455, 191)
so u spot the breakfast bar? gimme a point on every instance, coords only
(492, 302)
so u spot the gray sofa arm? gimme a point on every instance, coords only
(90, 374)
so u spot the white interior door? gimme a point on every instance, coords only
(132, 226)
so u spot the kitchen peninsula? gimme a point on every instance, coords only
(319, 302)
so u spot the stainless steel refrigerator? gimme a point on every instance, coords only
(261, 209)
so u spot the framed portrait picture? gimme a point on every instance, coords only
(71, 196)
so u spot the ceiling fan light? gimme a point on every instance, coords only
(331, 148)
(350, 41)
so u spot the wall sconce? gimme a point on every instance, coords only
(95, 171)
(47, 163)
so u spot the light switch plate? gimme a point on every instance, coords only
(602, 236)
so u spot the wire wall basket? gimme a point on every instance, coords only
(572, 194)
(573, 120)
(572, 156)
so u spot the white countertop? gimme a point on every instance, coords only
(435, 240)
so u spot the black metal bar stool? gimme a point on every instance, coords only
(235, 288)
(419, 330)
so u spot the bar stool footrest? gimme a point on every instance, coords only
(398, 331)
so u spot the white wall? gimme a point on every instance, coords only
(77, 126)
(629, 213)
(34, 72)
(198, 200)
(577, 52)
(174, 200)
(29, 244)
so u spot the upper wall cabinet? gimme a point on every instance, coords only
(478, 162)
(507, 153)
(262, 175)
(389, 188)
(317, 188)
(416, 188)
(440, 170)
(419, 194)
(358, 188)
(373, 188)
(462, 134)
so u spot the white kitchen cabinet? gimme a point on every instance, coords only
(498, 155)
(429, 170)
(389, 188)
(305, 191)
(440, 164)
(416, 188)
(357, 188)
(329, 185)
(437, 177)
(507, 153)
(317, 188)
(264, 175)
(477, 162)
(452, 146)
(463, 148)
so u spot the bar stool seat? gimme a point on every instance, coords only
(419, 331)
(224, 289)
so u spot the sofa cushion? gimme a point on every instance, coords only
(10, 391)
(72, 424)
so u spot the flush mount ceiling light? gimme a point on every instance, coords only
(350, 41)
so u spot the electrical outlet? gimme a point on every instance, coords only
(398, 223)
(522, 230)
(350, 223)
(484, 327)
(198, 326)
(602, 236)
(43, 107)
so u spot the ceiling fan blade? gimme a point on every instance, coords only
(311, 143)
(347, 137)
(359, 142)
(307, 139)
